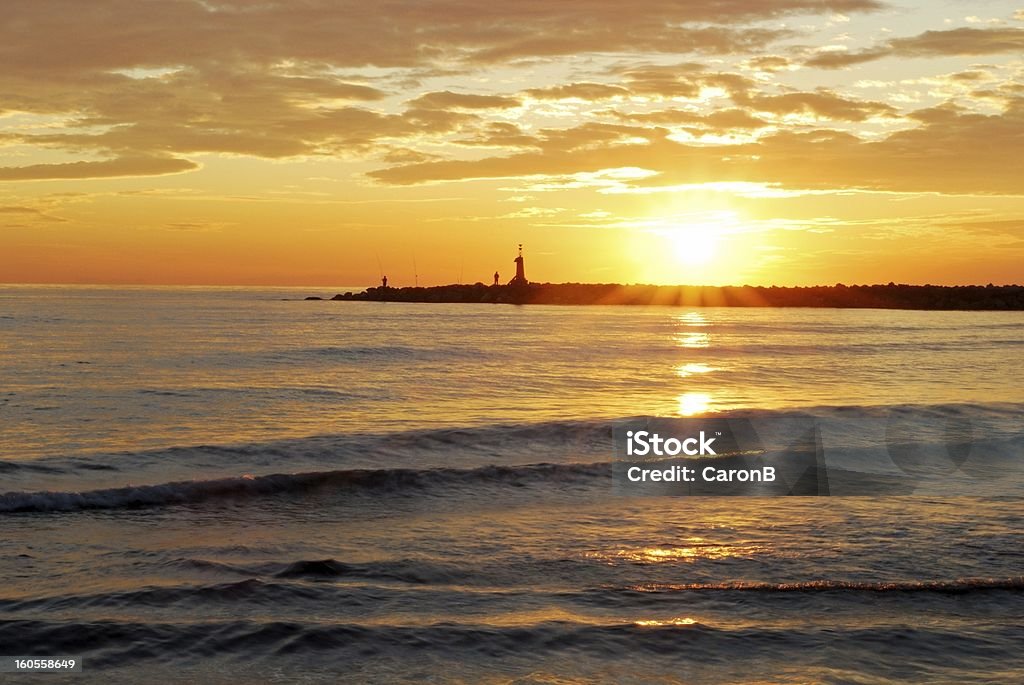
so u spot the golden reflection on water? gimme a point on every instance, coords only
(667, 622)
(693, 319)
(694, 340)
(693, 369)
(698, 549)
(693, 403)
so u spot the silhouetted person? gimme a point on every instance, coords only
(384, 282)
(496, 277)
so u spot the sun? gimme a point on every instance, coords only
(694, 245)
(695, 240)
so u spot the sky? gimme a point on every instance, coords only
(329, 142)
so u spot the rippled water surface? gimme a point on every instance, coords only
(235, 485)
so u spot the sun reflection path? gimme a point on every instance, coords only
(693, 369)
(693, 403)
(697, 550)
(667, 622)
(694, 341)
(693, 319)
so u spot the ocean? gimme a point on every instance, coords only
(233, 485)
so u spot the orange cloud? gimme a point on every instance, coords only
(125, 166)
(449, 100)
(591, 92)
(822, 102)
(950, 151)
(954, 42)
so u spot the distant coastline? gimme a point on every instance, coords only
(890, 296)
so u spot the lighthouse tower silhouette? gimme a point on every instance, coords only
(520, 277)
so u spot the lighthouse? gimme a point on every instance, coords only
(520, 277)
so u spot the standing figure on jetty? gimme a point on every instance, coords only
(496, 277)
(520, 277)
(384, 282)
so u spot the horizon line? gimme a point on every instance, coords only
(445, 285)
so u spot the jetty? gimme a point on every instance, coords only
(520, 291)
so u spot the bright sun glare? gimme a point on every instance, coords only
(695, 245)
(696, 240)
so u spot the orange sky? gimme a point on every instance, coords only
(786, 142)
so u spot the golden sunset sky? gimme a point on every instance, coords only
(788, 142)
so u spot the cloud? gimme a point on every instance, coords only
(273, 131)
(195, 226)
(29, 213)
(650, 35)
(686, 80)
(769, 63)
(449, 100)
(19, 210)
(951, 151)
(70, 36)
(962, 41)
(1013, 228)
(840, 58)
(502, 134)
(126, 166)
(718, 121)
(971, 76)
(954, 42)
(823, 103)
(591, 92)
(141, 83)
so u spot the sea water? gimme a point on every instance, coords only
(235, 485)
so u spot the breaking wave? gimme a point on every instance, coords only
(377, 480)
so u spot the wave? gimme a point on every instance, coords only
(958, 586)
(106, 643)
(277, 590)
(250, 590)
(498, 442)
(378, 354)
(806, 350)
(451, 446)
(354, 480)
(986, 440)
(382, 587)
(201, 393)
(30, 466)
